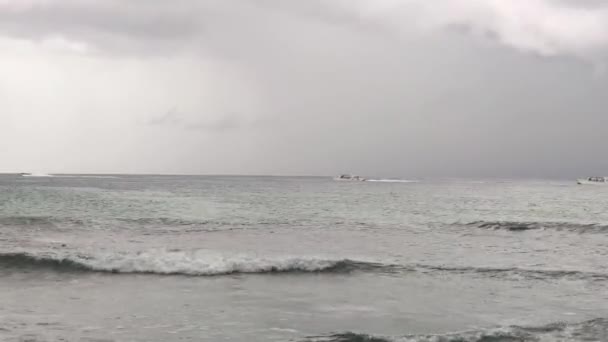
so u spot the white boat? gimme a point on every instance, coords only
(351, 178)
(35, 175)
(593, 181)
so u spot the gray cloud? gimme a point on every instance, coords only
(318, 87)
(546, 27)
(111, 26)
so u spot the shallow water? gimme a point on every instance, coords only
(176, 258)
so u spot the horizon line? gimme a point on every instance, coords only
(283, 175)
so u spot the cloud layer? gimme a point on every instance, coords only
(375, 87)
(545, 27)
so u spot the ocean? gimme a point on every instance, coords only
(214, 258)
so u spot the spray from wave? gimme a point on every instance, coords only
(593, 330)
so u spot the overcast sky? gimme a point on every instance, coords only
(386, 88)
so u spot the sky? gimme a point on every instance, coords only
(380, 88)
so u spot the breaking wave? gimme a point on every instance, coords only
(179, 263)
(593, 330)
(524, 226)
(196, 263)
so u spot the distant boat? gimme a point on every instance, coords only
(23, 174)
(350, 178)
(593, 181)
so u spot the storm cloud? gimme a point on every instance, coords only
(402, 88)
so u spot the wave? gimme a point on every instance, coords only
(179, 263)
(516, 273)
(197, 263)
(153, 225)
(593, 330)
(48, 175)
(393, 180)
(524, 226)
(170, 225)
(166, 221)
(43, 221)
(38, 221)
(85, 176)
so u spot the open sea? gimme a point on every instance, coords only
(193, 258)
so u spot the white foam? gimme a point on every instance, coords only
(197, 263)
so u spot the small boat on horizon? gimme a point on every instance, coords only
(351, 178)
(593, 181)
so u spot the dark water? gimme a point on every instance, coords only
(151, 258)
